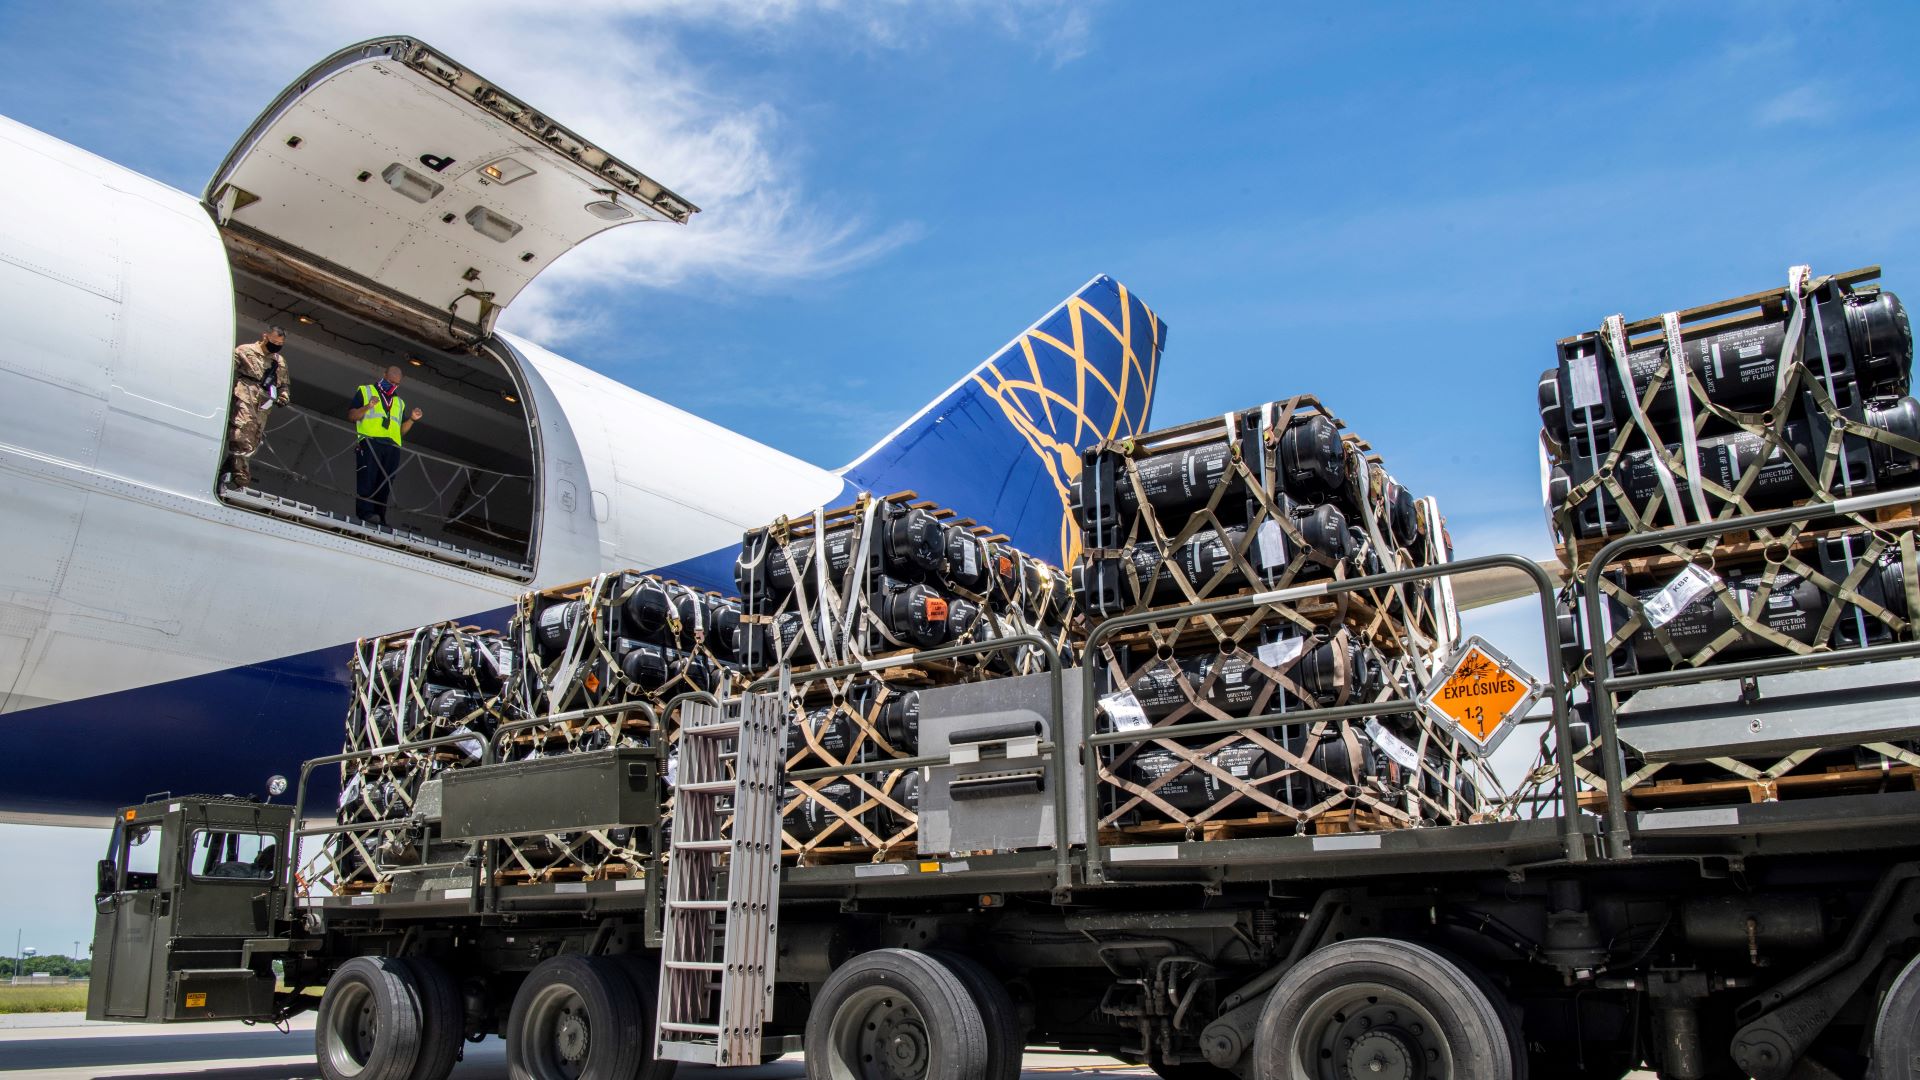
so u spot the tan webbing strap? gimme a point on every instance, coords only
(1683, 400)
(1614, 329)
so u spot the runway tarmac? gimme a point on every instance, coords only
(64, 1046)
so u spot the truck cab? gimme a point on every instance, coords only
(186, 904)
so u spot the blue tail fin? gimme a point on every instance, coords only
(1003, 445)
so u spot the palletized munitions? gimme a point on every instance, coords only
(1794, 397)
(1270, 497)
(889, 576)
(603, 659)
(856, 585)
(618, 638)
(1783, 397)
(1265, 499)
(443, 681)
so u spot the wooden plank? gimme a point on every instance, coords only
(1776, 295)
(1739, 544)
(1839, 781)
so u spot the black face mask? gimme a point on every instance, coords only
(272, 346)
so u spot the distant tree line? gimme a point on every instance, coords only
(51, 965)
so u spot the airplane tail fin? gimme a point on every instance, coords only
(1003, 445)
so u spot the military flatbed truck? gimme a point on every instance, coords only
(1581, 939)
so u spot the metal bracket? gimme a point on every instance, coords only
(1767, 1048)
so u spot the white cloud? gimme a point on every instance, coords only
(1808, 103)
(613, 71)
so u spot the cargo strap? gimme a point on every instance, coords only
(1683, 400)
(1614, 328)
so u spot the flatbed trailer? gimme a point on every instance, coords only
(1771, 939)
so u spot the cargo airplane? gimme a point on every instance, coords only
(159, 627)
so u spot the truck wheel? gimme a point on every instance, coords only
(1509, 1016)
(443, 1017)
(891, 1014)
(575, 1018)
(1896, 1031)
(643, 970)
(368, 1027)
(1378, 1009)
(1006, 1039)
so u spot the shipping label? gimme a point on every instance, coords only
(1686, 587)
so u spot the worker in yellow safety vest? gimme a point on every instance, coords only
(381, 419)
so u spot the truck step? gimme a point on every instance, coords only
(728, 1001)
(690, 1029)
(706, 787)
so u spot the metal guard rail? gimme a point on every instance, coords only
(296, 833)
(1603, 688)
(1572, 839)
(1049, 750)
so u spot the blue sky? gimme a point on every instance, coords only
(1398, 209)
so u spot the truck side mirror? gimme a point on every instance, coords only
(106, 877)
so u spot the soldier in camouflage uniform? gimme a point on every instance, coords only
(260, 382)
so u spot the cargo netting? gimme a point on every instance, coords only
(445, 684)
(1266, 501)
(868, 586)
(1795, 397)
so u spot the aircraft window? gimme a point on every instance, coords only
(241, 855)
(141, 856)
(462, 482)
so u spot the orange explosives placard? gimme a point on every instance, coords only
(1480, 692)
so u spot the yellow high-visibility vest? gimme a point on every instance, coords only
(380, 422)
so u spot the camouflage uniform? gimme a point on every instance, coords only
(253, 368)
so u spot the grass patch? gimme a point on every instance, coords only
(32, 999)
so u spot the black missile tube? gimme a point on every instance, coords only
(1237, 686)
(1793, 609)
(554, 625)
(1195, 790)
(1869, 348)
(1102, 587)
(916, 615)
(1724, 459)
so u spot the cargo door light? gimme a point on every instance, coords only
(410, 183)
(491, 225)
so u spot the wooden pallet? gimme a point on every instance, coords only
(1326, 823)
(1724, 314)
(1213, 429)
(612, 871)
(1319, 611)
(843, 854)
(893, 667)
(1737, 545)
(1842, 780)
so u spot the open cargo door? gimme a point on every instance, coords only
(396, 175)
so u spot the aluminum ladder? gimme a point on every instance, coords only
(718, 947)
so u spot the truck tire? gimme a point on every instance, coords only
(443, 1017)
(368, 1027)
(1896, 1030)
(1006, 1038)
(1368, 1007)
(576, 1018)
(892, 1014)
(643, 970)
(1509, 1017)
